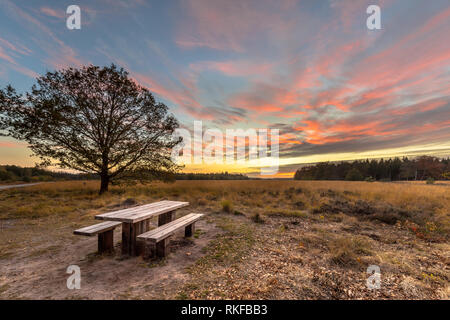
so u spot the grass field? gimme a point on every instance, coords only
(259, 240)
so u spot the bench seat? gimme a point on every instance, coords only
(105, 232)
(97, 228)
(157, 239)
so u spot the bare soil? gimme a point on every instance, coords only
(40, 272)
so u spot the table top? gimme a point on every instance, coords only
(140, 213)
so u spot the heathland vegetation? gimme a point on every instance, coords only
(259, 240)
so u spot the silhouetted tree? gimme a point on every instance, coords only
(94, 120)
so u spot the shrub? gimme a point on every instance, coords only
(369, 179)
(227, 206)
(354, 175)
(430, 181)
(345, 251)
(257, 218)
(129, 202)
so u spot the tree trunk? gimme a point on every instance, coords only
(104, 183)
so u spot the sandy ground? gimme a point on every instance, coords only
(40, 273)
(3, 187)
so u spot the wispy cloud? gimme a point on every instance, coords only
(309, 68)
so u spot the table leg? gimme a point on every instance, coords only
(129, 232)
(128, 238)
(166, 218)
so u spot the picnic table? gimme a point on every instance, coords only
(136, 221)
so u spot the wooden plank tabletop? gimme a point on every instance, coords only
(139, 213)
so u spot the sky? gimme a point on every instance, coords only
(310, 68)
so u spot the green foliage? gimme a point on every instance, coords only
(430, 181)
(227, 206)
(354, 175)
(420, 168)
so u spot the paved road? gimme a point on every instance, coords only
(18, 185)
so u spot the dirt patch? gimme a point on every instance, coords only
(41, 273)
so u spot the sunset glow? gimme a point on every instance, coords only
(312, 69)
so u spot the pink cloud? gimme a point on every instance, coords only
(60, 54)
(229, 25)
(53, 13)
(239, 68)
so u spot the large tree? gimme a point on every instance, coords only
(95, 120)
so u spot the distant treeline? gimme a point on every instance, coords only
(16, 173)
(33, 174)
(421, 168)
(211, 176)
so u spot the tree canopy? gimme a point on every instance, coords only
(419, 168)
(93, 120)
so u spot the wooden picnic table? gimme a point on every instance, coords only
(136, 220)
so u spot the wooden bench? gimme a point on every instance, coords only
(105, 231)
(157, 240)
(136, 220)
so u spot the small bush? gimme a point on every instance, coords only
(287, 213)
(129, 202)
(227, 206)
(354, 175)
(257, 218)
(369, 179)
(300, 205)
(345, 251)
(430, 181)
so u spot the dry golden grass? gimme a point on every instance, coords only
(293, 239)
(266, 197)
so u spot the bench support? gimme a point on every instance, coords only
(106, 241)
(162, 248)
(156, 242)
(189, 230)
(166, 218)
